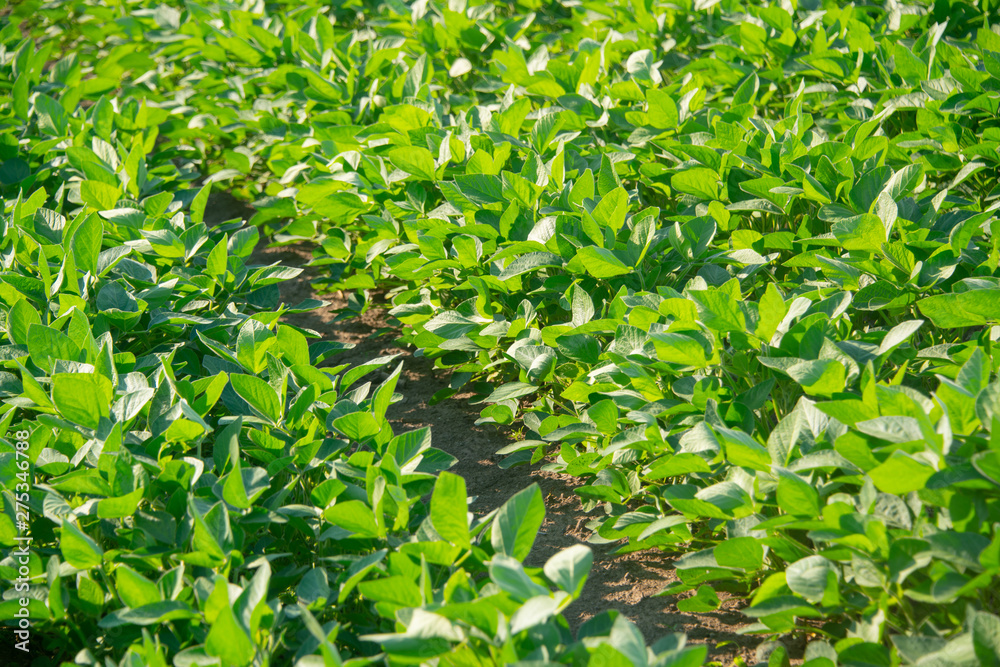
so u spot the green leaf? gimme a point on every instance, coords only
(358, 570)
(986, 638)
(529, 262)
(533, 613)
(582, 305)
(99, 195)
(898, 335)
(52, 118)
(21, 91)
(199, 203)
(698, 181)
(415, 161)
(78, 549)
(662, 113)
(583, 189)
(150, 614)
(812, 577)
(357, 425)
(772, 310)
(80, 398)
(607, 177)
(600, 262)
(481, 189)
(704, 600)
(353, 515)
(449, 509)
(86, 244)
(102, 116)
(742, 450)
(233, 489)
(212, 533)
(121, 506)
(134, 589)
(679, 349)
(900, 474)
(987, 464)
(862, 232)
(580, 347)
(568, 568)
(962, 309)
(396, 590)
(218, 258)
(229, 640)
(819, 377)
(293, 346)
(259, 394)
(720, 311)
(509, 575)
(46, 345)
(511, 390)
(611, 209)
(252, 344)
(20, 318)
(796, 496)
(604, 414)
(742, 552)
(517, 523)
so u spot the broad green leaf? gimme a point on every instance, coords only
(135, 590)
(600, 262)
(529, 262)
(78, 549)
(259, 394)
(449, 509)
(293, 346)
(46, 345)
(81, 398)
(357, 426)
(962, 309)
(862, 232)
(772, 310)
(86, 244)
(509, 575)
(662, 111)
(812, 577)
(511, 390)
(796, 496)
(481, 189)
(900, 474)
(20, 318)
(986, 638)
(229, 640)
(218, 258)
(121, 506)
(354, 516)
(517, 523)
(698, 181)
(415, 161)
(704, 600)
(720, 311)
(149, 614)
(99, 195)
(604, 414)
(568, 568)
(252, 344)
(742, 552)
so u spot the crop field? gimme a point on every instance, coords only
(604, 333)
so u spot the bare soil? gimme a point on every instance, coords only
(628, 583)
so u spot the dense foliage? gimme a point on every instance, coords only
(733, 264)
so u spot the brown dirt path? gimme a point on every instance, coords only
(624, 582)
